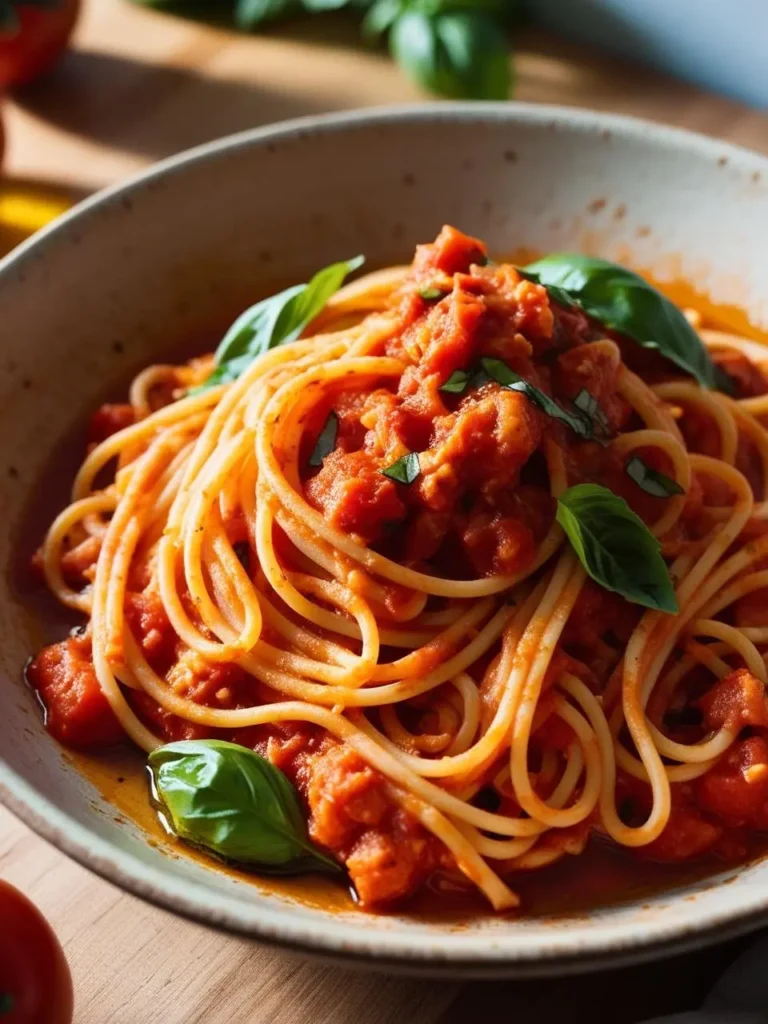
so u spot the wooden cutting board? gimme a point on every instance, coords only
(138, 86)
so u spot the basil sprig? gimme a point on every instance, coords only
(231, 801)
(276, 321)
(326, 442)
(659, 485)
(406, 470)
(625, 302)
(616, 547)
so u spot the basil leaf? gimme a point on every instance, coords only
(623, 301)
(236, 804)
(586, 402)
(501, 373)
(250, 13)
(326, 5)
(7, 1002)
(432, 294)
(501, 10)
(275, 321)
(405, 470)
(616, 547)
(650, 480)
(562, 298)
(457, 383)
(326, 442)
(462, 55)
(380, 17)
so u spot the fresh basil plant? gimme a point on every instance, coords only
(276, 321)
(616, 547)
(623, 301)
(460, 54)
(457, 48)
(234, 803)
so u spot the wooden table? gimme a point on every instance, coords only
(139, 86)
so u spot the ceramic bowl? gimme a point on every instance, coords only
(174, 254)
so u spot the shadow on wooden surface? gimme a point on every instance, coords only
(113, 100)
(625, 996)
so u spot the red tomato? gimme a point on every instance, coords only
(2, 142)
(35, 983)
(37, 43)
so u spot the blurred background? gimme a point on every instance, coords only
(94, 90)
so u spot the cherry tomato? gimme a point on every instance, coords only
(2, 142)
(35, 983)
(35, 45)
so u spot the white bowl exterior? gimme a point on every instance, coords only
(180, 251)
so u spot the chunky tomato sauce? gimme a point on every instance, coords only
(479, 507)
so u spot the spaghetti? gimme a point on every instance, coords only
(416, 644)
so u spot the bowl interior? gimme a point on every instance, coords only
(168, 260)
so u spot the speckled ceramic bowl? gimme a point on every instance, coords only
(177, 252)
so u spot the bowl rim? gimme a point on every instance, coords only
(327, 936)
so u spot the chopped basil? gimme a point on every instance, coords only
(650, 480)
(616, 547)
(625, 302)
(433, 294)
(405, 470)
(457, 383)
(501, 373)
(229, 800)
(275, 321)
(326, 442)
(586, 402)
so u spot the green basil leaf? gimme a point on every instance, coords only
(501, 373)
(7, 1002)
(326, 5)
(650, 480)
(250, 13)
(236, 804)
(326, 442)
(586, 402)
(623, 301)
(561, 297)
(500, 10)
(276, 321)
(380, 17)
(616, 547)
(405, 470)
(432, 294)
(457, 383)
(460, 55)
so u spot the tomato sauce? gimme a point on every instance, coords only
(481, 504)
